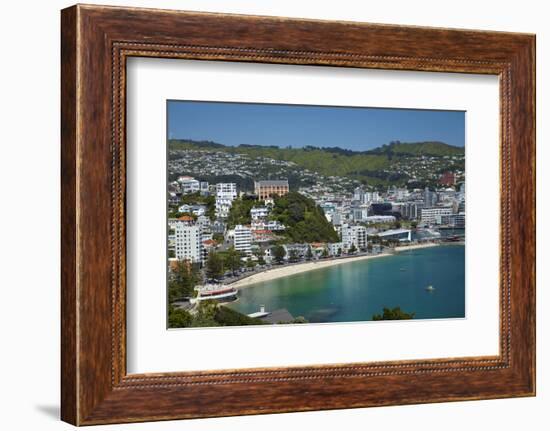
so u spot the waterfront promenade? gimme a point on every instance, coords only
(298, 268)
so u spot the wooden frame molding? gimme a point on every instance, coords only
(95, 43)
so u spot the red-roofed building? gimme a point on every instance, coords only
(186, 218)
(447, 179)
(263, 235)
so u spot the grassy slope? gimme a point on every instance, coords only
(331, 161)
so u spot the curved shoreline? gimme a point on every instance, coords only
(288, 270)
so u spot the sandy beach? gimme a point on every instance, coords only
(415, 246)
(285, 271)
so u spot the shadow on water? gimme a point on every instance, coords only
(323, 315)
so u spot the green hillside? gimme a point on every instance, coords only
(304, 220)
(375, 166)
(436, 149)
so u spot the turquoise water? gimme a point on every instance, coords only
(355, 291)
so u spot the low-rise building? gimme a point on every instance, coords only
(188, 185)
(452, 220)
(433, 215)
(266, 188)
(335, 248)
(258, 213)
(379, 219)
(396, 234)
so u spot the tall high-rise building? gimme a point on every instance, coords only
(188, 241)
(430, 198)
(243, 239)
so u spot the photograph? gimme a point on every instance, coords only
(283, 214)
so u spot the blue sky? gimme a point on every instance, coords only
(356, 129)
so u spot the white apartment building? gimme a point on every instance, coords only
(365, 197)
(354, 235)
(188, 241)
(188, 185)
(335, 247)
(433, 215)
(258, 213)
(225, 195)
(454, 220)
(242, 239)
(360, 213)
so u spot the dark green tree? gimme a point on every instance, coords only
(178, 318)
(214, 265)
(232, 259)
(240, 211)
(184, 279)
(304, 220)
(204, 316)
(352, 249)
(309, 253)
(278, 252)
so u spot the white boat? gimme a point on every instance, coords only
(430, 288)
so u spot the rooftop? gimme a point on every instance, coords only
(263, 183)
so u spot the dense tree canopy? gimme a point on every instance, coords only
(184, 278)
(304, 220)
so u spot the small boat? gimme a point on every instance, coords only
(402, 269)
(430, 288)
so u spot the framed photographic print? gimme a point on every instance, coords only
(289, 207)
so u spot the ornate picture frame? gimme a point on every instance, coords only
(96, 41)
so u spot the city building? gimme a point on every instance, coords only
(298, 250)
(267, 188)
(365, 197)
(433, 215)
(272, 225)
(188, 185)
(447, 179)
(452, 220)
(430, 198)
(204, 188)
(262, 236)
(360, 213)
(411, 210)
(335, 248)
(398, 234)
(379, 219)
(355, 235)
(242, 239)
(225, 195)
(218, 227)
(258, 213)
(198, 210)
(188, 241)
